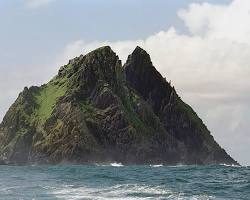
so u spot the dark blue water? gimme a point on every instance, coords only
(124, 182)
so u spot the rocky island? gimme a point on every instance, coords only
(95, 111)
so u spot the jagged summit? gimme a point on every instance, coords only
(140, 52)
(141, 58)
(105, 51)
(96, 110)
(102, 55)
(143, 76)
(106, 48)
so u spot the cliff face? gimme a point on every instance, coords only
(96, 110)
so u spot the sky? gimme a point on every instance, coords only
(203, 47)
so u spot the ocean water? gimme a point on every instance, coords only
(114, 181)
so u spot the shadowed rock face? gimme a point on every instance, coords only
(96, 110)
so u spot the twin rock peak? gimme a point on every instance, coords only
(97, 111)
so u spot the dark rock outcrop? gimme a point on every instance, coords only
(96, 110)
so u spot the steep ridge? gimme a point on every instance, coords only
(179, 119)
(95, 110)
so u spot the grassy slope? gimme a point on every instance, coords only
(47, 97)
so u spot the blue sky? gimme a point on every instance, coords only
(202, 46)
(42, 31)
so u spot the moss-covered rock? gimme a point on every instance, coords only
(95, 110)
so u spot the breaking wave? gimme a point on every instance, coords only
(127, 191)
(160, 165)
(115, 164)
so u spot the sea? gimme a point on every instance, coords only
(116, 181)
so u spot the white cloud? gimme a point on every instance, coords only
(37, 3)
(210, 67)
(216, 21)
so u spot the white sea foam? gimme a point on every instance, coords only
(160, 165)
(116, 164)
(227, 165)
(178, 165)
(126, 192)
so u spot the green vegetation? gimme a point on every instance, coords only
(187, 110)
(194, 118)
(46, 99)
(10, 146)
(87, 107)
(127, 102)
